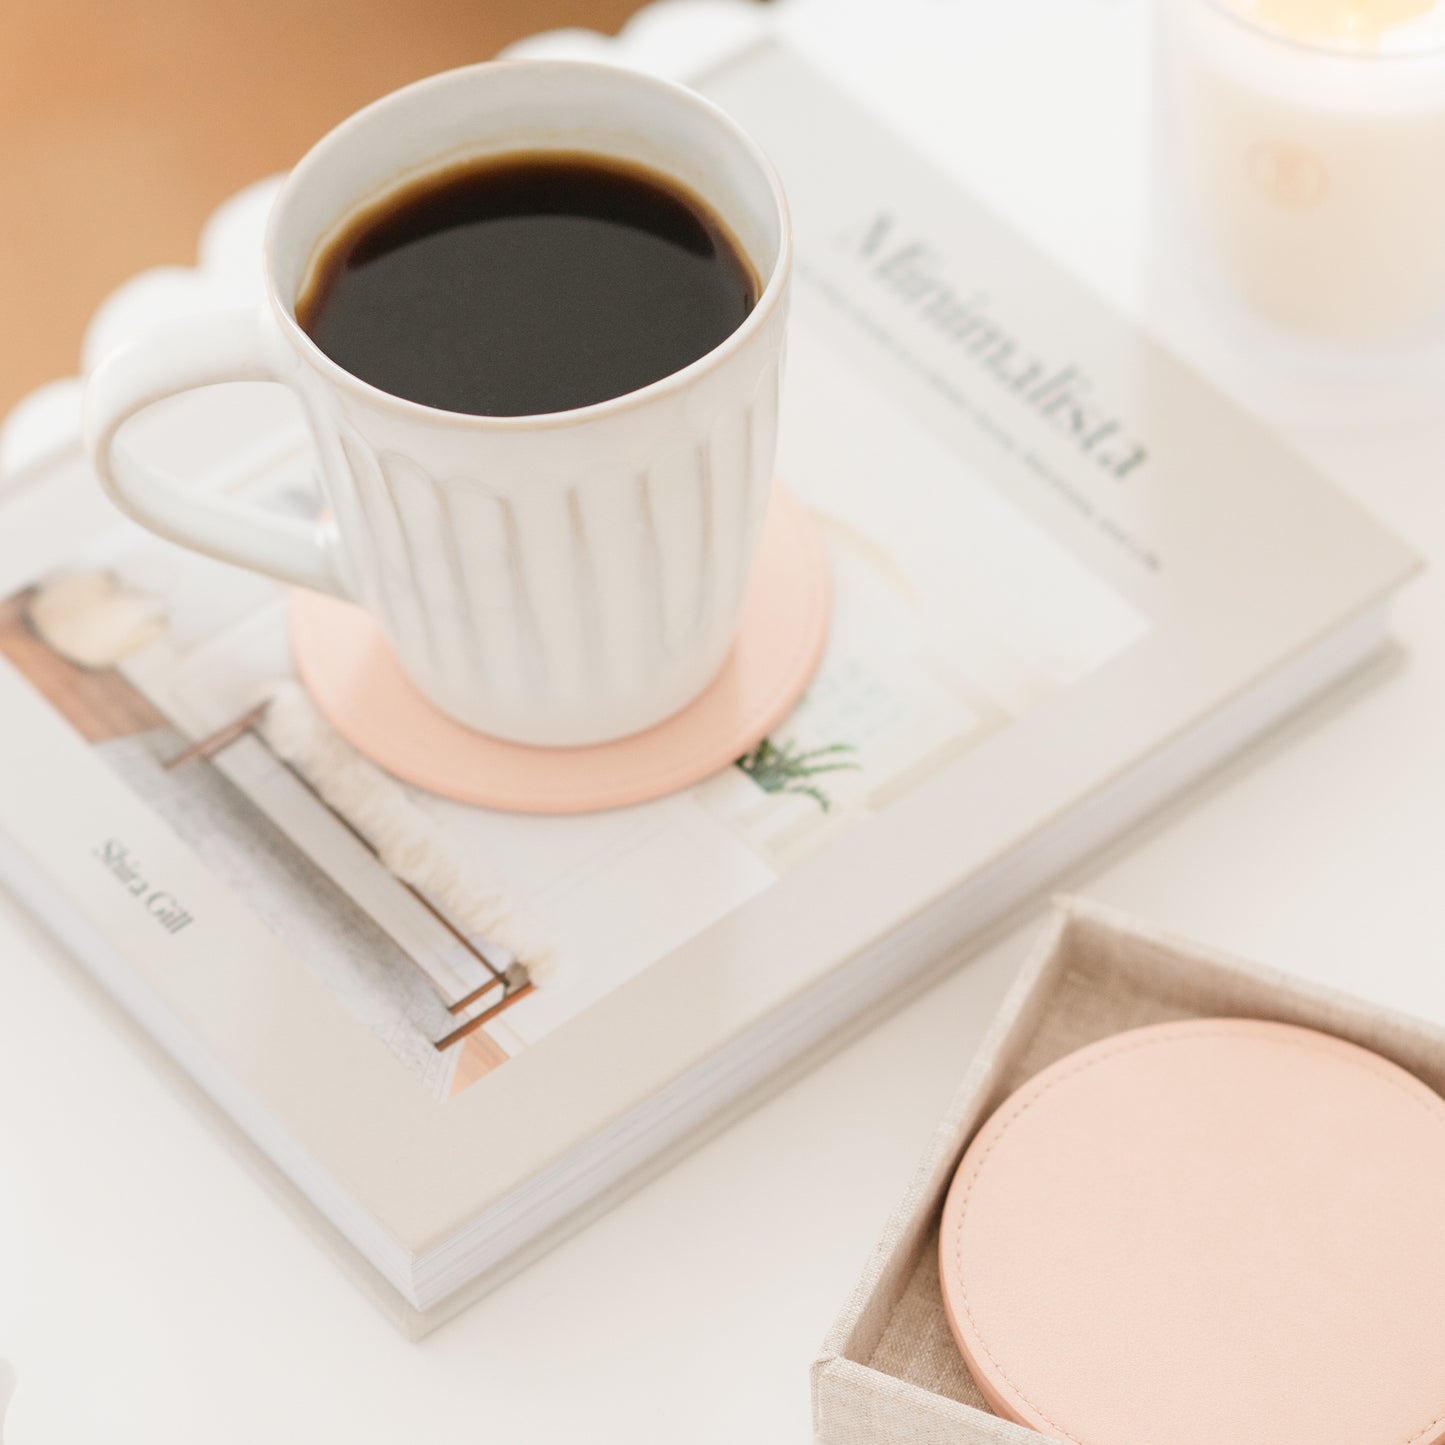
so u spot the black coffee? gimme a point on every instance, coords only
(527, 284)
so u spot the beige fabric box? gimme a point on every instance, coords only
(890, 1373)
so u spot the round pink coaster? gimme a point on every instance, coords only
(1216, 1231)
(348, 667)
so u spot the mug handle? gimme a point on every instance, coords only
(180, 356)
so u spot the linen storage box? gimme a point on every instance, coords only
(890, 1372)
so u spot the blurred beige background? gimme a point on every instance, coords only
(124, 122)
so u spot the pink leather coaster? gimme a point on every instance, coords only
(354, 678)
(1217, 1232)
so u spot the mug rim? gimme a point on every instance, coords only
(768, 298)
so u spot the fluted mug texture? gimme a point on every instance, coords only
(562, 579)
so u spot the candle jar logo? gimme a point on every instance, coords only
(1288, 174)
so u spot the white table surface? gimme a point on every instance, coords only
(153, 1290)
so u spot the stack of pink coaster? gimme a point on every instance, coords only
(1215, 1232)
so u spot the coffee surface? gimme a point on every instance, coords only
(525, 284)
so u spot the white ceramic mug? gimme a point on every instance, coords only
(560, 579)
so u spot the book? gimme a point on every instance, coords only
(1069, 578)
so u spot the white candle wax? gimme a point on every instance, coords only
(1310, 138)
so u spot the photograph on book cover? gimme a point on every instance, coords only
(162, 661)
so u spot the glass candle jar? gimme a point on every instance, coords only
(1306, 143)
